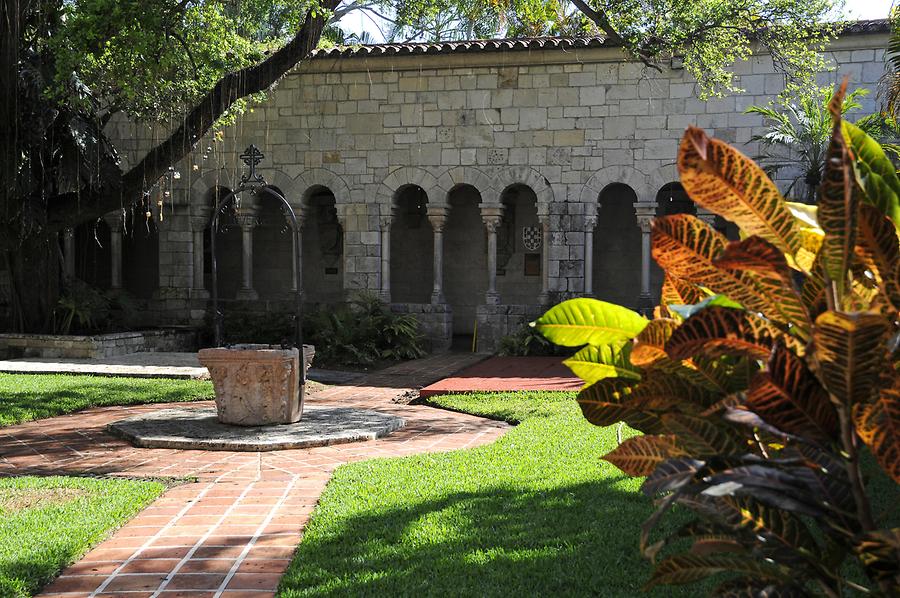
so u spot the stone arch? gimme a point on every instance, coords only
(626, 175)
(201, 186)
(523, 175)
(463, 175)
(664, 175)
(317, 178)
(286, 185)
(406, 176)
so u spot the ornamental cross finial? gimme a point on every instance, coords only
(251, 157)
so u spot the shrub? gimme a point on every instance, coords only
(266, 328)
(527, 342)
(83, 308)
(759, 400)
(362, 333)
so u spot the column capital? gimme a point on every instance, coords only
(590, 223)
(491, 223)
(199, 217)
(115, 220)
(384, 222)
(68, 233)
(490, 210)
(437, 216)
(246, 220)
(645, 211)
(646, 223)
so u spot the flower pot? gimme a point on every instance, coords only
(257, 385)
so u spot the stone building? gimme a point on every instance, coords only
(469, 183)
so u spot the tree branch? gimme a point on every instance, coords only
(130, 186)
(602, 21)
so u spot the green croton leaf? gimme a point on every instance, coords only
(875, 172)
(592, 364)
(578, 322)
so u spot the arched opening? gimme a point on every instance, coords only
(670, 199)
(412, 247)
(728, 228)
(519, 247)
(93, 258)
(228, 247)
(140, 256)
(272, 247)
(617, 247)
(323, 248)
(465, 258)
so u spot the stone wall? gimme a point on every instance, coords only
(465, 128)
(13, 346)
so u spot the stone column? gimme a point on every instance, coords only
(491, 215)
(384, 224)
(116, 224)
(297, 252)
(590, 223)
(544, 297)
(69, 252)
(199, 221)
(645, 212)
(438, 218)
(246, 217)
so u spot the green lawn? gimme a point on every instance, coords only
(534, 513)
(48, 523)
(26, 397)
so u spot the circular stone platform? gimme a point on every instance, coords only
(198, 428)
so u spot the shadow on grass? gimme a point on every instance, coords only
(573, 540)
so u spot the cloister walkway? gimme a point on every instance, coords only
(232, 528)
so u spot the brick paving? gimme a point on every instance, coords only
(507, 373)
(233, 530)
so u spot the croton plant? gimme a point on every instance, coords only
(766, 379)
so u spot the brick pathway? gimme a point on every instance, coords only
(508, 373)
(231, 532)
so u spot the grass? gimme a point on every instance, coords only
(534, 513)
(26, 397)
(51, 522)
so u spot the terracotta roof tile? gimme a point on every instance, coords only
(524, 43)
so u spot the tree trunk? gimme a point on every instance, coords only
(34, 273)
(130, 186)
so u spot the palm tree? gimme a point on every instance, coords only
(798, 133)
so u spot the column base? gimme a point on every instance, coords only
(544, 299)
(199, 294)
(437, 298)
(385, 296)
(492, 298)
(645, 305)
(247, 295)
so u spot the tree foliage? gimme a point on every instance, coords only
(758, 403)
(708, 36)
(185, 66)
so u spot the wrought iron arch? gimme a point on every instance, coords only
(254, 182)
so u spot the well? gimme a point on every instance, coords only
(257, 385)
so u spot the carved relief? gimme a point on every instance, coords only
(256, 385)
